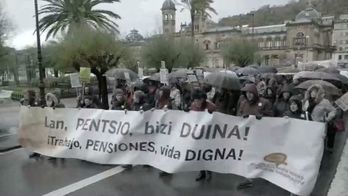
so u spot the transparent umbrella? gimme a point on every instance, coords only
(120, 73)
(248, 71)
(328, 87)
(223, 80)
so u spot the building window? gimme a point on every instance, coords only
(278, 43)
(346, 33)
(217, 45)
(269, 44)
(345, 57)
(196, 27)
(300, 40)
(267, 59)
(166, 17)
(339, 57)
(261, 44)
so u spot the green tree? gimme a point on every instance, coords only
(90, 48)
(176, 53)
(128, 60)
(198, 7)
(49, 57)
(62, 15)
(159, 49)
(191, 56)
(7, 60)
(240, 52)
(8, 63)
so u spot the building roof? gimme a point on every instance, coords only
(221, 29)
(308, 15)
(134, 36)
(279, 28)
(168, 5)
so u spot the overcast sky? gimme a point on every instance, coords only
(143, 15)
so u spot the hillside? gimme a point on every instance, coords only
(268, 15)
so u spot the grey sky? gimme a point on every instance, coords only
(144, 15)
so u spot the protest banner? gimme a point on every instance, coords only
(85, 74)
(286, 152)
(140, 72)
(164, 76)
(342, 102)
(75, 80)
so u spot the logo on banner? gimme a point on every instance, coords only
(277, 158)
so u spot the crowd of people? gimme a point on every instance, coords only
(261, 97)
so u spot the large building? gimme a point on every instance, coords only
(340, 40)
(306, 38)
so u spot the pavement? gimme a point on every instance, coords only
(339, 185)
(42, 176)
(79, 178)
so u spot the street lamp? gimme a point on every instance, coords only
(39, 56)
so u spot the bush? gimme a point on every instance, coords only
(17, 95)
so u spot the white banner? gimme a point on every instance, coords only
(286, 152)
(75, 80)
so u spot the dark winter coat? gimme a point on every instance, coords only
(282, 105)
(299, 113)
(258, 106)
(321, 110)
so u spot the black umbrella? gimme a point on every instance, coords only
(329, 70)
(155, 77)
(181, 73)
(315, 76)
(289, 69)
(254, 66)
(119, 73)
(224, 80)
(267, 69)
(336, 79)
(328, 87)
(248, 71)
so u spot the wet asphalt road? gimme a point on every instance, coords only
(24, 176)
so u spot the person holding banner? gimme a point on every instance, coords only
(152, 87)
(252, 104)
(88, 102)
(118, 100)
(295, 109)
(283, 102)
(175, 96)
(163, 101)
(139, 102)
(53, 101)
(30, 101)
(201, 104)
(319, 109)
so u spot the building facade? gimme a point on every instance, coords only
(306, 38)
(340, 40)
